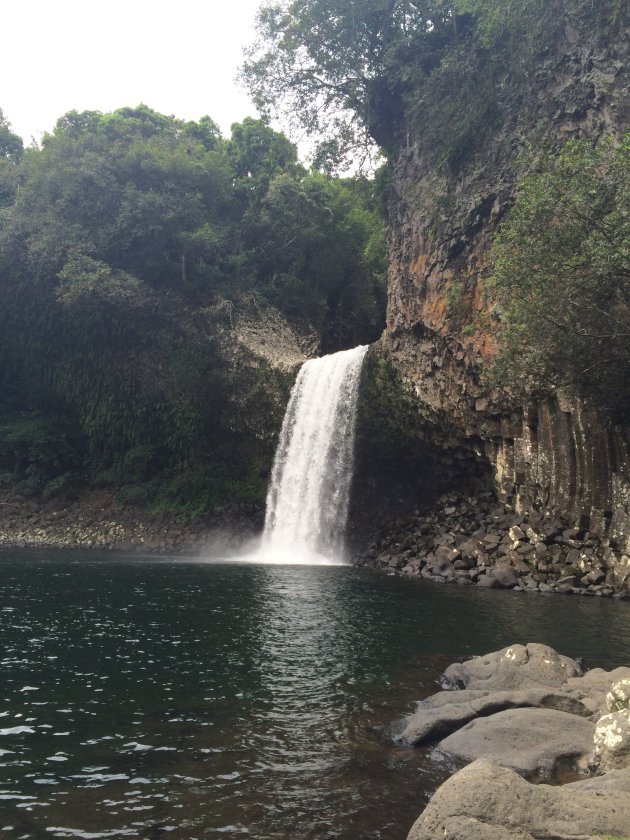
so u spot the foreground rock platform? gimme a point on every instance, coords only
(487, 802)
(523, 714)
(537, 743)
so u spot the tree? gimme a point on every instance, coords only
(338, 68)
(11, 146)
(129, 233)
(11, 150)
(562, 277)
(258, 153)
(127, 188)
(351, 73)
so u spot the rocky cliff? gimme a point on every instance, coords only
(560, 456)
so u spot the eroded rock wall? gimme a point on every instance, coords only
(559, 456)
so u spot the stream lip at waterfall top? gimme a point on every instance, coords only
(166, 697)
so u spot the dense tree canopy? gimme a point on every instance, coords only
(11, 149)
(562, 275)
(128, 231)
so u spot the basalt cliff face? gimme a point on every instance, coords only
(560, 456)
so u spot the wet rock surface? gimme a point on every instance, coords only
(515, 667)
(469, 540)
(430, 723)
(523, 714)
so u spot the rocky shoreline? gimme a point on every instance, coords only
(466, 540)
(520, 715)
(476, 540)
(98, 522)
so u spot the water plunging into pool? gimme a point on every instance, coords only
(309, 493)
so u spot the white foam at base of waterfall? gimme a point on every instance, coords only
(309, 492)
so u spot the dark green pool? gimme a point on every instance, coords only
(156, 698)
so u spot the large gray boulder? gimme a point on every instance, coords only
(448, 711)
(537, 743)
(611, 742)
(517, 666)
(618, 697)
(487, 802)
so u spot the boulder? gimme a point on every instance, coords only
(504, 576)
(471, 549)
(518, 666)
(593, 688)
(611, 742)
(537, 743)
(516, 534)
(448, 711)
(446, 554)
(618, 697)
(443, 568)
(487, 802)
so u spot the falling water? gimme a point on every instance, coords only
(307, 502)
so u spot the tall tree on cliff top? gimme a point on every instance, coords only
(11, 150)
(11, 146)
(350, 72)
(337, 67)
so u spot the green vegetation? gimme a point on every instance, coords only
(562, 277)
(123, 239)
(459, 81)
(444, 71)
(392, 444)
(397, 462)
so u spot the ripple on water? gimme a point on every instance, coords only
(147, 698)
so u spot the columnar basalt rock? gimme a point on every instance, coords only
(559, 456)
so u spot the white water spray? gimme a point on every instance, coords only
(309, 493)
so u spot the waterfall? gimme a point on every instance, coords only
(309, 493)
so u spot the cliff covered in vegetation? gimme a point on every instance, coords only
(505, 131)
(549, 409)
(158, 285)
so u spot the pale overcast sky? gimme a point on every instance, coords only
(179, 58)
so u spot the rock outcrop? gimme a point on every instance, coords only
(487, 802)
(536, 743)
(516, 667)
(560, 456)
(527, 713)
(96, 521)
(475, 540)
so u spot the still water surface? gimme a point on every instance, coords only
(168, 698)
